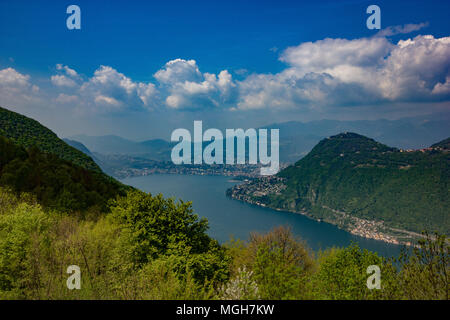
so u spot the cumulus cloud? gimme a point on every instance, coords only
(11, 78)
(186, 87)
(442, 88)
(414, 68)
(319, 75)
(66, 77)
(16, 87)
(340, 72)
(107, 100)
(110, 88)
(107, 90)
(327, 54)
(70, 72)
(178, 70)
(62, 81)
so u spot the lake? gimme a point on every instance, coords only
(231, 218)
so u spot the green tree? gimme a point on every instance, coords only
(23, 231)
(425, 271)
(152, 227)
(342, 275)
(281, 264)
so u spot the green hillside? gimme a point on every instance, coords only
(349, 176)
(27, 132)
(79, 146)
(444, 144)
(56, 183)
(34, 160)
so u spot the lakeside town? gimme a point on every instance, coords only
(123, 166)
(167, 167)
(258, 191)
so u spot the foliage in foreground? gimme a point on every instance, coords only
(149, 247)
(120, 255)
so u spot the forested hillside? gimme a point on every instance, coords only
(27, 132)
(350, 176)
(79, 146)
(444, 144)
(56, 183)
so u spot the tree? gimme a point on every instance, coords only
(425, 271)
(342, 275)
(281, 264)
(153, 227)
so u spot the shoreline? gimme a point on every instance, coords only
(368, 229)
(368, 233)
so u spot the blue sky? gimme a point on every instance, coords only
(234, 67)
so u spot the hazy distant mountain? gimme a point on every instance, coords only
(156, 149)
(110, 163)
(296, 138)
(78, 145)
(109, 144)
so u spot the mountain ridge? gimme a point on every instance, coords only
(296, 138)
(34, 160)
(362, 186)
(28, 132)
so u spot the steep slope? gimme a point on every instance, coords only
(27, 132)
(444, 144)
(351, 180)
(79, 146)
(56, 183)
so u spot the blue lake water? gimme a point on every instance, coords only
(231, 218)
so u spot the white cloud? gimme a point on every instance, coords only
(107, 100)
(66, 77)
(186, 87)
(340, 72)
(318, 76)
(407, 28)
(442, 88)
(16, 88)
(178, 70)
(108, 87)
(11, 78)
(62, 81)
(70, 72)
(174, 101)
(327, 54)
(414, 68)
